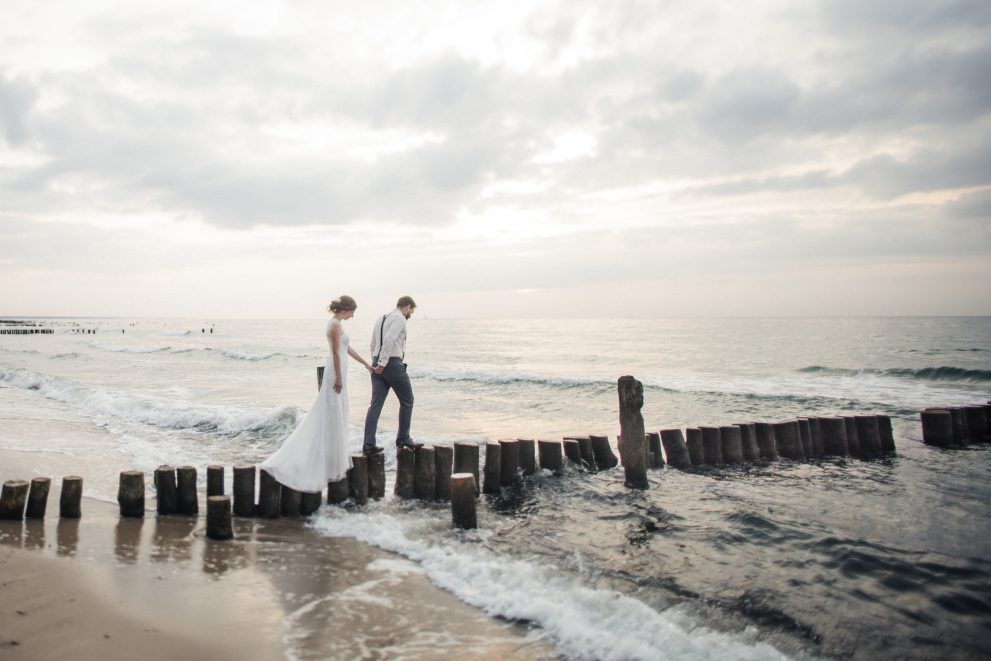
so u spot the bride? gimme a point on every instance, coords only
(318, 451)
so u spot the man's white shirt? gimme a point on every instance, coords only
(389, 340)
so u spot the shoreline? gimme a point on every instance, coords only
(110, 588)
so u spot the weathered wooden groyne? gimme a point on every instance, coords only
(457, 474)
(26, 331)
(956, 425)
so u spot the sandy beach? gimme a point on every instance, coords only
(111, 588)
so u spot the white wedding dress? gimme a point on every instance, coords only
(318, 451)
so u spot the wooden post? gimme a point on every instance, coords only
(425, 473)
(188, 499)
(977, 423)
(405, 465)
(587, 452)
(443, 467)
(731, 443)
(852, 440)
(218, 517)
(765, 440)
(337, 491)
(310, 502)
(244, 491)
(632, 446)
(572, 451)
(269, 495)
(748, 438)
(290, 502)
(214, 481)
(509, 462)
(38, 497)
(528, 456)
(788, 440)
(653, 441)
(886, 433)
(805, 436)
(376, 475)
(937, 427)
(319, 376)
(712, 445)
(551, 457)
(12, 499)
(466, 461)
(834, 436)
(358, 479)
(493, 468)
(817, 443)
(959, 420)
(70, 501)
(601, 450)
(868, 435)
(463, 489)
(166, 494)
(696, 449)
(675, 448)
(131, 493)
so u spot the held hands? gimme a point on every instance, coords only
(379, 369)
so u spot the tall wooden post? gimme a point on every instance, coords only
(509, 459)
(405, 465)
(444, 465)
(358, 478)
(463, 500)
(38, 498)
(493, 468)
(632, 447)
(12, 499)
(214, 480)
(244, 491)
(269, 496)
(131, 493)
(70, 502)
(218, 518)
(675, 448)
(528, 456)
(466, 461)
(550, 455)
(166, 494)
(376, 475)
(188, 499)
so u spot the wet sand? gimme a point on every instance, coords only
(111, 588)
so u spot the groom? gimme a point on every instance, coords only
(389, 372)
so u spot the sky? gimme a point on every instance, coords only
(503, 159)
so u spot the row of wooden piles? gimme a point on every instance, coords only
(21, 499)
(956, 425)
(26, 331)
(800, 439)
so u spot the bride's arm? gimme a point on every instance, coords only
(335, 348)
(357, 356)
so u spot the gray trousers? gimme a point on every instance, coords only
(394, 377)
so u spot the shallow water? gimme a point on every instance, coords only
(844, 558)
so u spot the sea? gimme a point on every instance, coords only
(834, 558)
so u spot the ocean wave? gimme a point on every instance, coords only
(175, 333)
(235, 354)
(942, 373)
(505, 378)
(68, 356)
(583, 622)
(165, 414)
(139, 349)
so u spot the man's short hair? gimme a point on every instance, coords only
(404, 301)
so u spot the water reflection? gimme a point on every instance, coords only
(67, 536)
(173, 538)
(127, 539)
(34, 534)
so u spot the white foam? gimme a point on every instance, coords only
(250, 357)
(138, 349)
(161, 413)
(584, 623)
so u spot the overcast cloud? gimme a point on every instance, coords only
(496, 159)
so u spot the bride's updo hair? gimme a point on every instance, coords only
(342, 304)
